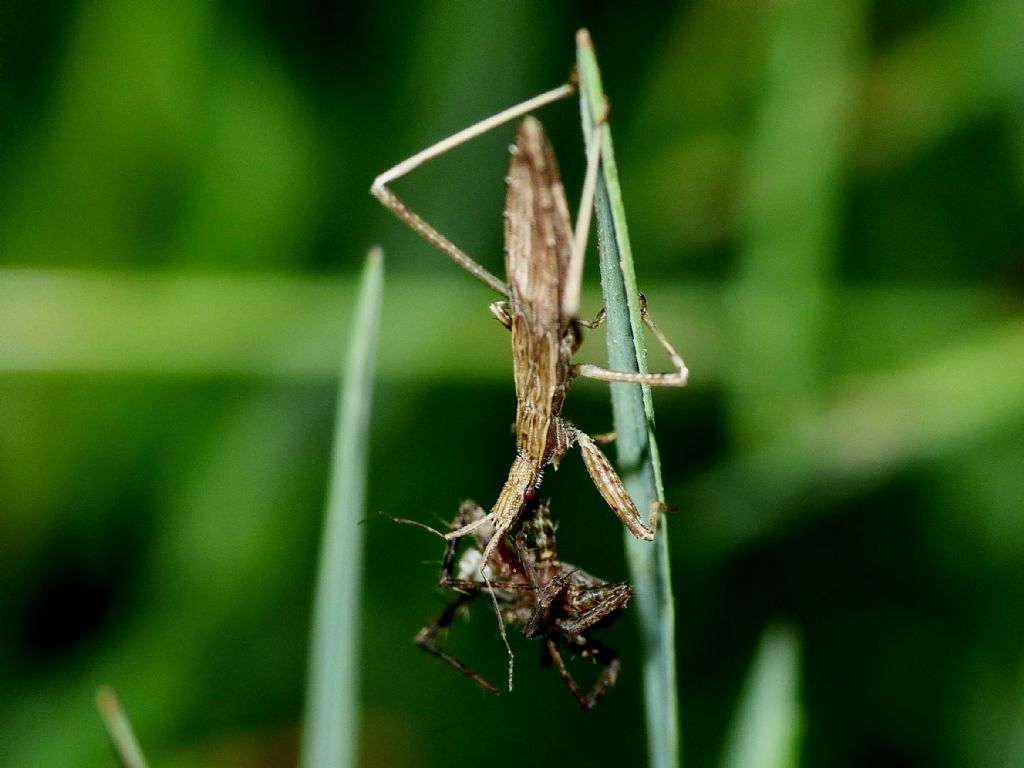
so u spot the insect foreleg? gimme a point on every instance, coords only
(612, 490)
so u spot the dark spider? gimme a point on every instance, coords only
(549, 599)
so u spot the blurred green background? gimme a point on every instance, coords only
(827, 206)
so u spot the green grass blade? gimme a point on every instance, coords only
(122, 737)
(633, 414)
(331, 722)
(767, 729)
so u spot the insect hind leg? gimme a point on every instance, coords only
(382, 191)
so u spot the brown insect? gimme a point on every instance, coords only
(551, 600)
(544, 263)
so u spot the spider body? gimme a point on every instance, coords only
(551, 600)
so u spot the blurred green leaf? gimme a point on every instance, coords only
(768, 724)
(938, 403)
(329, 737)
(119, 729)
(789, 201)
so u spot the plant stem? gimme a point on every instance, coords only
(119, 729)
(633, 414)
(768, 725)
(331, 722)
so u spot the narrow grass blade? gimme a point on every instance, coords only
(767, 729)
(633, 413)
(331, 718)
(119, 729)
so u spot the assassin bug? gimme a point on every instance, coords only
(544, 263)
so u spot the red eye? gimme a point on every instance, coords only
(529, 494)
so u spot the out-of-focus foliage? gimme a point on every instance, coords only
(330, 717)
(826, 203)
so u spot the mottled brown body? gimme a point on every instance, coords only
(538, 257)
(538, 252)
(551, 600)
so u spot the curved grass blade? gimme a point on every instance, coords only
(768, 725)
(331, 716)
(119, 729)
(633, 412)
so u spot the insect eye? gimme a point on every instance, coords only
(529, 494)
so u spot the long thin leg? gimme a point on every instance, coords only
(503, 516)
(501, 626)
(675, 379)
(426, 639)
(607, 658)
(603, 683)
(501, 528)
(574, 275)
(380, 189)
(574, 281)
(472, 511)
(470, 584)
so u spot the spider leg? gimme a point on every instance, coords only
(603, 655)
(426, 639)
(610, 661)
(607, 678)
